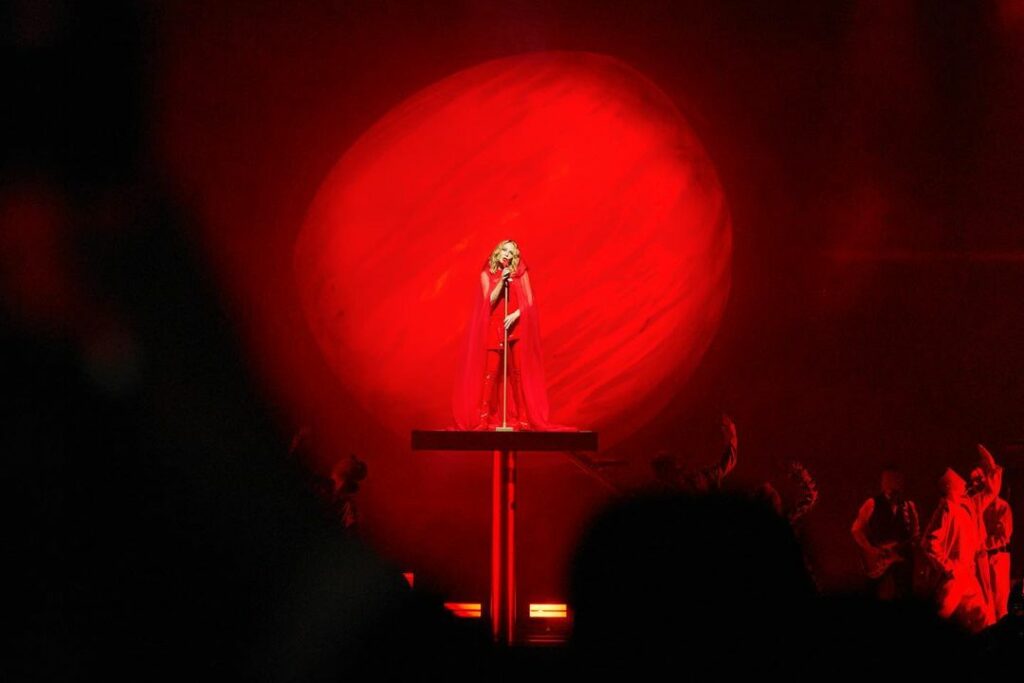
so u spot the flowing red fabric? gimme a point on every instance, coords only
(466, 397)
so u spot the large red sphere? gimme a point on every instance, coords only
(590, 168)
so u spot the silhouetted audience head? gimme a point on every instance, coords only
(688, 582)
(347, 474)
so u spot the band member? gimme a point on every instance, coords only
(983, 492)
(886, 529)
(951, 542)
(477, 401)
(802, 501)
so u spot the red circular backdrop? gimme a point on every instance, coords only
(590, 168)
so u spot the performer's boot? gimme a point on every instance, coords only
(485, 403)
(516, 385)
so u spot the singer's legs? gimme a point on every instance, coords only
(492, 375)
(492, 391)
(492, 380)
(517, 402)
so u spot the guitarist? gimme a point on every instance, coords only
(887, 529)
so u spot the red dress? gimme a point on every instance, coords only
(496, 321)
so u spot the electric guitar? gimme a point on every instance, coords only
(877, 560)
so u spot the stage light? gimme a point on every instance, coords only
(465, 610)
(541, 610)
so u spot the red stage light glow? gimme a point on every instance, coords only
(587, 164)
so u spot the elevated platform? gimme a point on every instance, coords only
(504, 448)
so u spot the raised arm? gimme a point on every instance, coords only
(710, 476)
(808, 491)
(993, 477)
(860, 524)
(987, 461)
(728, 462)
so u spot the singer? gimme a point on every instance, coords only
(479, 388)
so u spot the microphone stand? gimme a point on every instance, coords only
(504, 363)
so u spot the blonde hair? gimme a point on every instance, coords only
(493, 263)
